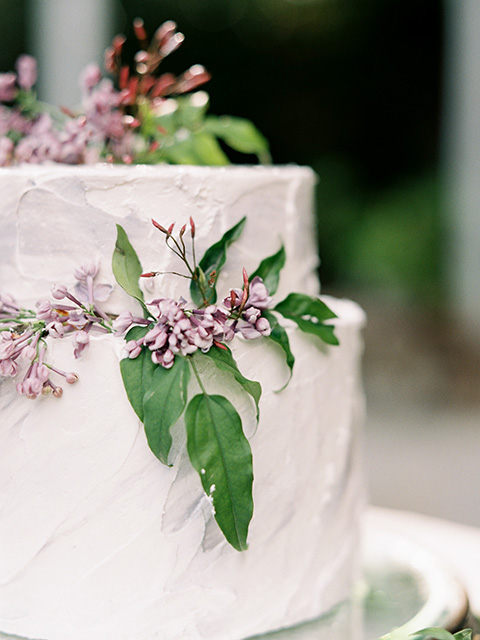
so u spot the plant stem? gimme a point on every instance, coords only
(197, 375)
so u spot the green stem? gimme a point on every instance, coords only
(197, 375)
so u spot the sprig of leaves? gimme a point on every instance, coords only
(430, 633)
(203, 287)
(435, 633)
(186, 135)
(216, 444)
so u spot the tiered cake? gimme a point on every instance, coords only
(98, 539)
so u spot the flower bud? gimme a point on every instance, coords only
(27, 71)
(139, 29)
(59, 291)
(159, 226)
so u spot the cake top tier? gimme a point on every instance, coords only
(55, 217)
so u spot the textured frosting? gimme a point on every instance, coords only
(53, 220)
(98, 539)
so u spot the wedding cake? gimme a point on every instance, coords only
(98, 538)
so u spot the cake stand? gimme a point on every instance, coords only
(405, 588)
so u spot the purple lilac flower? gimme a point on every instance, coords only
(12, 346)
(27, 71)
(85, 289)
(211, 324)
(125, 320)
(102, 112)
(90, 77)
(8, 89)
(81, 340)
(250, 322)
(7, 306)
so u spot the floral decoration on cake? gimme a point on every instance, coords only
(137, 115)
(163, 346)
(143, 116)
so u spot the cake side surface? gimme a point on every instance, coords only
(60, 216)
(97, 538)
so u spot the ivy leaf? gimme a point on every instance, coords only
(221, 454)
(126, 266)
(269, 270)
(225, 361)
(239, 134)
(213, 261)
(309, 314)
(137, 372)
(280, 337)
(163, 403)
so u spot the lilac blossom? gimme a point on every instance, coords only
(178, 330)
(85, 289)
(248, 304)
(90, 77)
(81, 340)
(27, 71)
(23, 332)
(109, 124)
(8, 89)
(12, 347)
(125, 320)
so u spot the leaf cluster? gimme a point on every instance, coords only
(185, 134)
(216, 443)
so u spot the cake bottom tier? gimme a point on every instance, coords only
(100, 541)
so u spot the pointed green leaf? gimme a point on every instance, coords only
(137, 372)
(163, 404)
(207, 150)
(432, 633)
(280, 337)
(199, 148)
(239, 134)
(225, 361)
(221, 454)
(126, 265)
(269, 270)
(309, 314)
(464, 634)
(213, 261)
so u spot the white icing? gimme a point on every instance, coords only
(98, 539)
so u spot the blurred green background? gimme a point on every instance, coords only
(349, 87)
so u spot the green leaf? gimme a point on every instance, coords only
(239, 134)
(207, 150)
(309, 314)
(269, 270)
(225, 362)
(137, 372)
(213, 261)
(198, 148)
(221, 454)
(126, 266)
(163, 403)
(464, 634)
(280, 337)
(432, 633)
